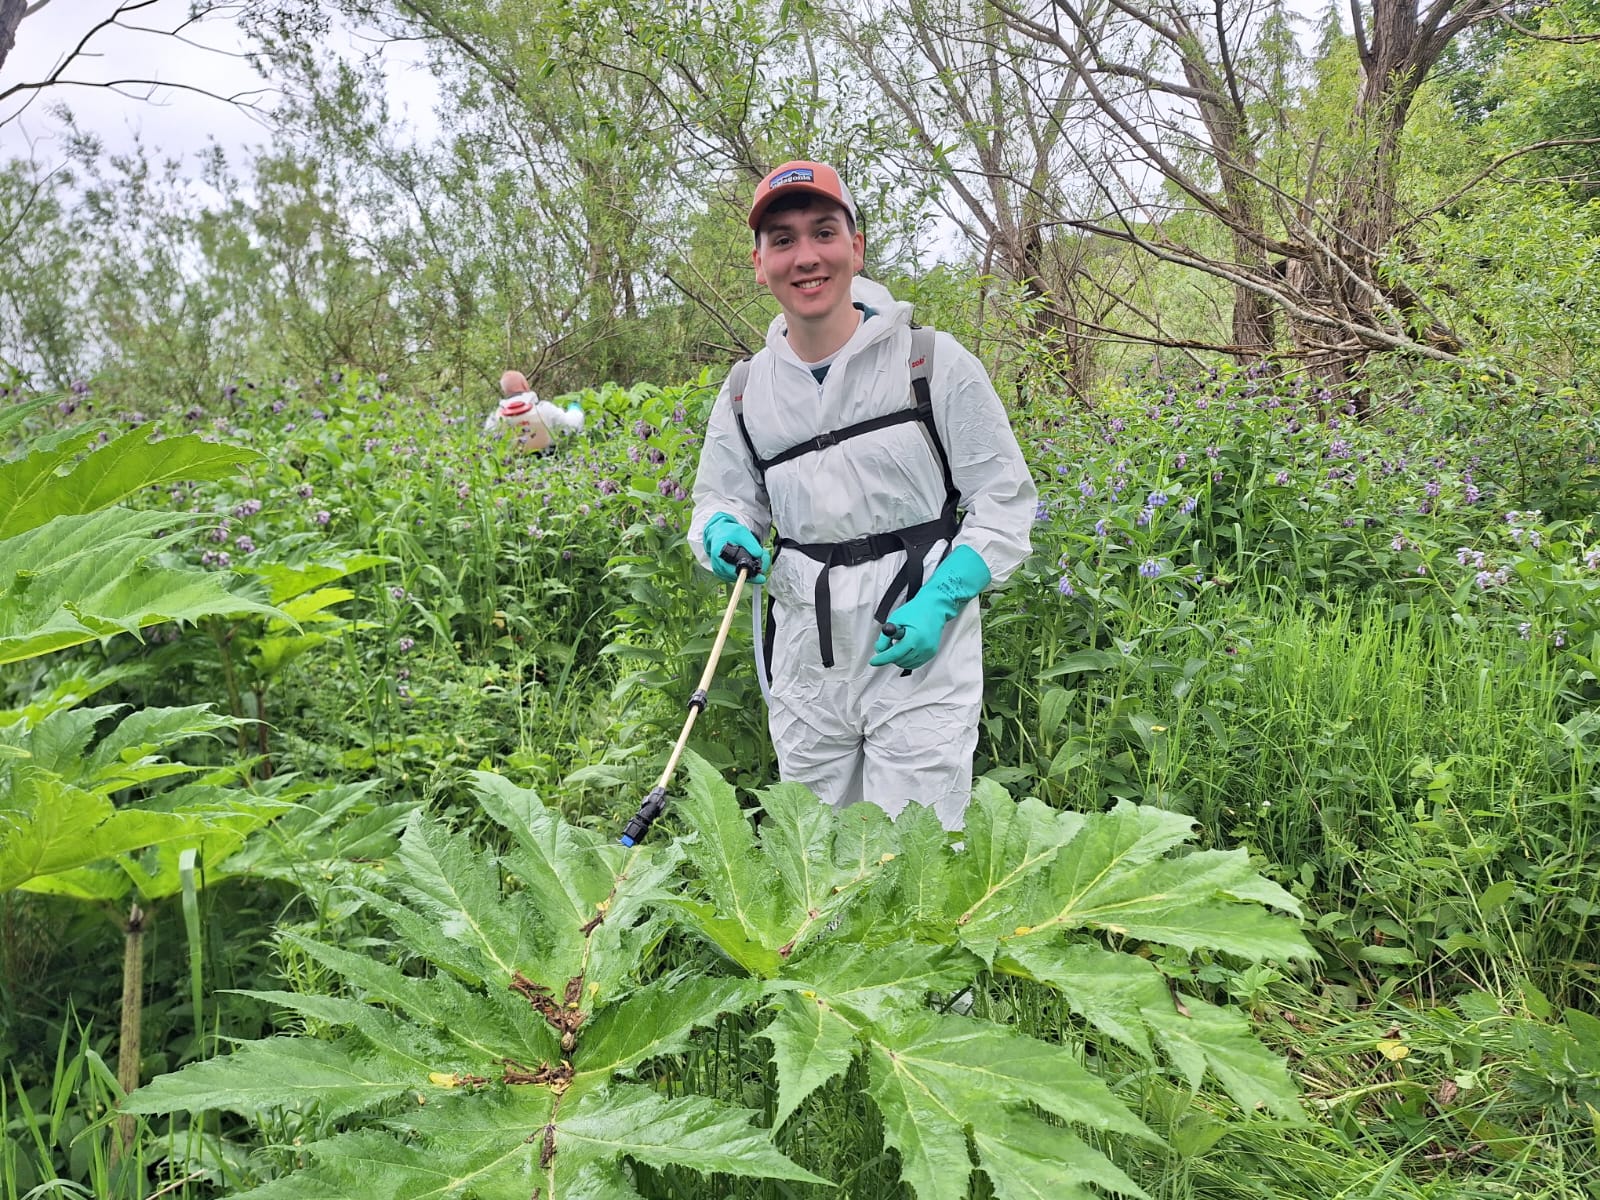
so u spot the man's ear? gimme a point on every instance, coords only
(858, 243)
(755, 259)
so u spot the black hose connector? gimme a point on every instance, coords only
(698, 700)
(645, 817)
(741, 559)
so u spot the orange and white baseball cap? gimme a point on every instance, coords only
(800, 176)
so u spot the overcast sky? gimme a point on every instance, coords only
(175, 121)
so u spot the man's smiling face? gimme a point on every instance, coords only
(806, 257)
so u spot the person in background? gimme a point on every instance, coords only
(536, 421)
(887, 463)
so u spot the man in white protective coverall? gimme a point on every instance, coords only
(863, 441)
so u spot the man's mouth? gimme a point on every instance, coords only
(810, 285)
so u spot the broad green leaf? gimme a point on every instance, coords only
(1007, 845)
(1204, 1037)
(493, 1024)
(743, 887)
(285, 582)
(873, 983)
(401, 1043)
(1111, 991)
(797, 837)
(459, 889)
(567, 870)
(63, 481)
(148, 730)
(281, 1072)
(1026, 1159)
(656, 1020)
(47, 826)
(811, 1044)
(932, 1077)
(108, 594)
(64, 541)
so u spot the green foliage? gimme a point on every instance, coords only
(507, 1065)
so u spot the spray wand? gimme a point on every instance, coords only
(747, 564)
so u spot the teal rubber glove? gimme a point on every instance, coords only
(919, 622)
(723, 531)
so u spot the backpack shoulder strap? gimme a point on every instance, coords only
(922, 342)
(738, 379)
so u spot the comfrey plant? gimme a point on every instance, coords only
(511, 1067)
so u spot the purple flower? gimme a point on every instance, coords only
(1559, 637)
(608, 487)
(220, 533)
(1484, 580)
(1085, 489)
(398, 592)
(643, 429)
(303, 491)
(1144, 516)
(1212, 452)
(324, 516)
(1181, 461)
(405, 644)
(1041, 511)
(679, 416)
(1281, 479)
(1471, 494)
(1150, 569)
(1065, 587)
(1188, 505)
(1432, 487)
(1118, 425)
(1100, 528)
(247, 509)
(1156, 499)
(244, 544)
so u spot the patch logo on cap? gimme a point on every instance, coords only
(798, 175)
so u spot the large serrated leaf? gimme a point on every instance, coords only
(460, 890)
(657, 1020)
(1008, 843)
(811, 1044)
(62, 480)
(933, 1077)
(743, 888)
(281, 1072)
(47, 826)
(1026, 1159)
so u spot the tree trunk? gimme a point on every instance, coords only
(10, 17)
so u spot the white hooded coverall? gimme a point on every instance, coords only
(852, 731)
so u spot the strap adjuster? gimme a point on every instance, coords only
(824, 440)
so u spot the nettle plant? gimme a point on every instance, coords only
(510, 1065)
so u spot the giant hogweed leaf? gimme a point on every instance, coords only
(838, 990)
(1128, 999)
(875, 983)
(113, 593)
(1111, 877)
(933, 1077)
(656, 1020)
(497, 1147)
(1008, 844)
(491, 1118)
(61, 480)
(336, 1078)
(47, 826)
(491, 1025)
(811, 1044)
(285, 582)
(1026, 1159)
(65, 541)
(458, 889)
(742, 887)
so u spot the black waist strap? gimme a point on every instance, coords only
(913, 540)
